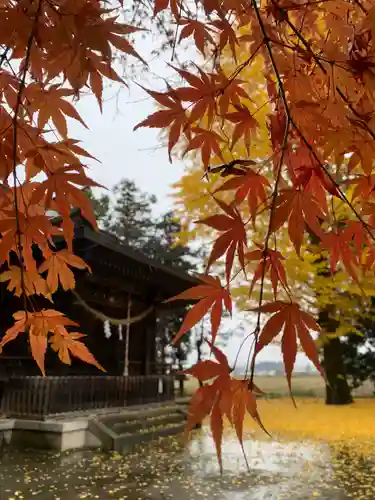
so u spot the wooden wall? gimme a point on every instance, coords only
(109, 352)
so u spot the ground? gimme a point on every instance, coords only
(315, 452)
(303, 386)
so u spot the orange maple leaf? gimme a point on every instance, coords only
(58, 271)
(298, 208)
(251, 185)
(29, 282)
(34, 229)
(50, 105)
(207, 142)
(211, 295)
(306, 172)
(233, 238)
(66, 345)
(48, 157)
(293, 322)
(59, 193)
(174, 117)
(39, 325)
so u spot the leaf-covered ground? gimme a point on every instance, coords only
(315, 453)
(351, 425)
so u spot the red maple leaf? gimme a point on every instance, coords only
(229, 91)
(233, 238)
(200, 31)
(364, 186)
(202, 92)
(207, 369)
(269, 261)
(212, 296)
(251, 185)
(227, 36)
(245, 124)
(224, 397)
(161, 5)
(298, 208)
(356, 232)
(293, 322)
(337, 243)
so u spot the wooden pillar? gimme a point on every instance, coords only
(150, 344)
(127, 334)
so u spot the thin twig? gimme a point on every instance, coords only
(292, 122)
(15, 138)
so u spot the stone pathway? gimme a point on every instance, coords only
(166, 470)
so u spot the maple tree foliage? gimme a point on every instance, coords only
(51, 52)
(289, 83)
(287, 87)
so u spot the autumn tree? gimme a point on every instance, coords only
(306, 277)
(316, 71)
(52, 51)
(316, 84)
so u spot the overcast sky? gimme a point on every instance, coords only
(138, 155)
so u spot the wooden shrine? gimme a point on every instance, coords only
(123, 285)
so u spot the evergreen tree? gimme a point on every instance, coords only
(128, 215)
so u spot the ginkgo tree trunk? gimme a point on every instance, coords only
(337, 387)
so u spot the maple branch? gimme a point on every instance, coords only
(339, 190)
(15, 139)
(292, 122)
(318, 62)
(176, 32)
(363, 9)
(265, 250)
(4, 55)
(272, 210)
(240, 69)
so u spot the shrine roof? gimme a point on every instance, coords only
(115, 260)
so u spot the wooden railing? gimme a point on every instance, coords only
(40, 397)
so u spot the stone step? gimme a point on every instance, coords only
(130, 415)
(131, 426)
(125, 430)
(125, 443)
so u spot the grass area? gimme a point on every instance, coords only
(303, 386)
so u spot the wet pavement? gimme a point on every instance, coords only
(168, 470)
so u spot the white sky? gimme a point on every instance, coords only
(138, 155)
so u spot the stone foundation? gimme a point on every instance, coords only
(47, 435)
